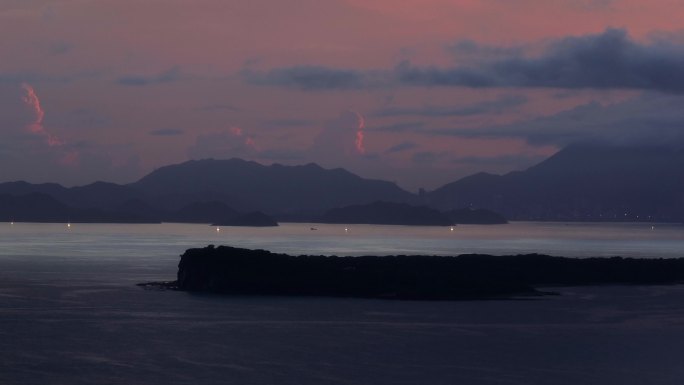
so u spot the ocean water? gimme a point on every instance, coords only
(70, 312)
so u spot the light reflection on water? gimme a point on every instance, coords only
(139, 240)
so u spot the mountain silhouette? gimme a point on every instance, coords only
(275, 189)
(39, 207)
(588, 182)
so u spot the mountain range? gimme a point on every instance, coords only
(588, 182)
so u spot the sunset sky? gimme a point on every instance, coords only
(420, 92)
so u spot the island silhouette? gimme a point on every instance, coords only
(239, 271)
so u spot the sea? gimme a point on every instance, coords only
(71, 313)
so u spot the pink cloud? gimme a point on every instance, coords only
(359, 133)
(30, 98)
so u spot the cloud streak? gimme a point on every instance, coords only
(169, 76)
(315, 78)
(495, 106)
(401, 147)
(167, 132)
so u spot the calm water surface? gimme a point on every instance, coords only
(71, 314)
(567, 239)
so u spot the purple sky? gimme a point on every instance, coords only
(420, 92)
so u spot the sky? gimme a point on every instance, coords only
(418, 92)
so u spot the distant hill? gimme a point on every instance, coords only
(216, 191)
(38, 207)
(386, 213)
(580, 182)
(273, 189)
(101, 195)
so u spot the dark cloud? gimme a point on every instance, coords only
(139, 80)
(610, 60)
(14, 78)
(290, 122)
(427, 157)
(313, 78)
(655, 119)
(167, 132)
(399, 127)
(403, 146)
(495, 106)
(219, 107)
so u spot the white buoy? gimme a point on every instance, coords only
(452, 228)
(346, 229)
(218, 229)
(68, 224)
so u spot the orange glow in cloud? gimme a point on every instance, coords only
(359, 133)
(239, 132)
(31, 100)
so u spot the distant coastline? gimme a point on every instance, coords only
(238, 271)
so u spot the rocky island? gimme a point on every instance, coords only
(230, 270)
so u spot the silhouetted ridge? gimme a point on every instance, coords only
(273, 189)
(581, 182)
(37, 207)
